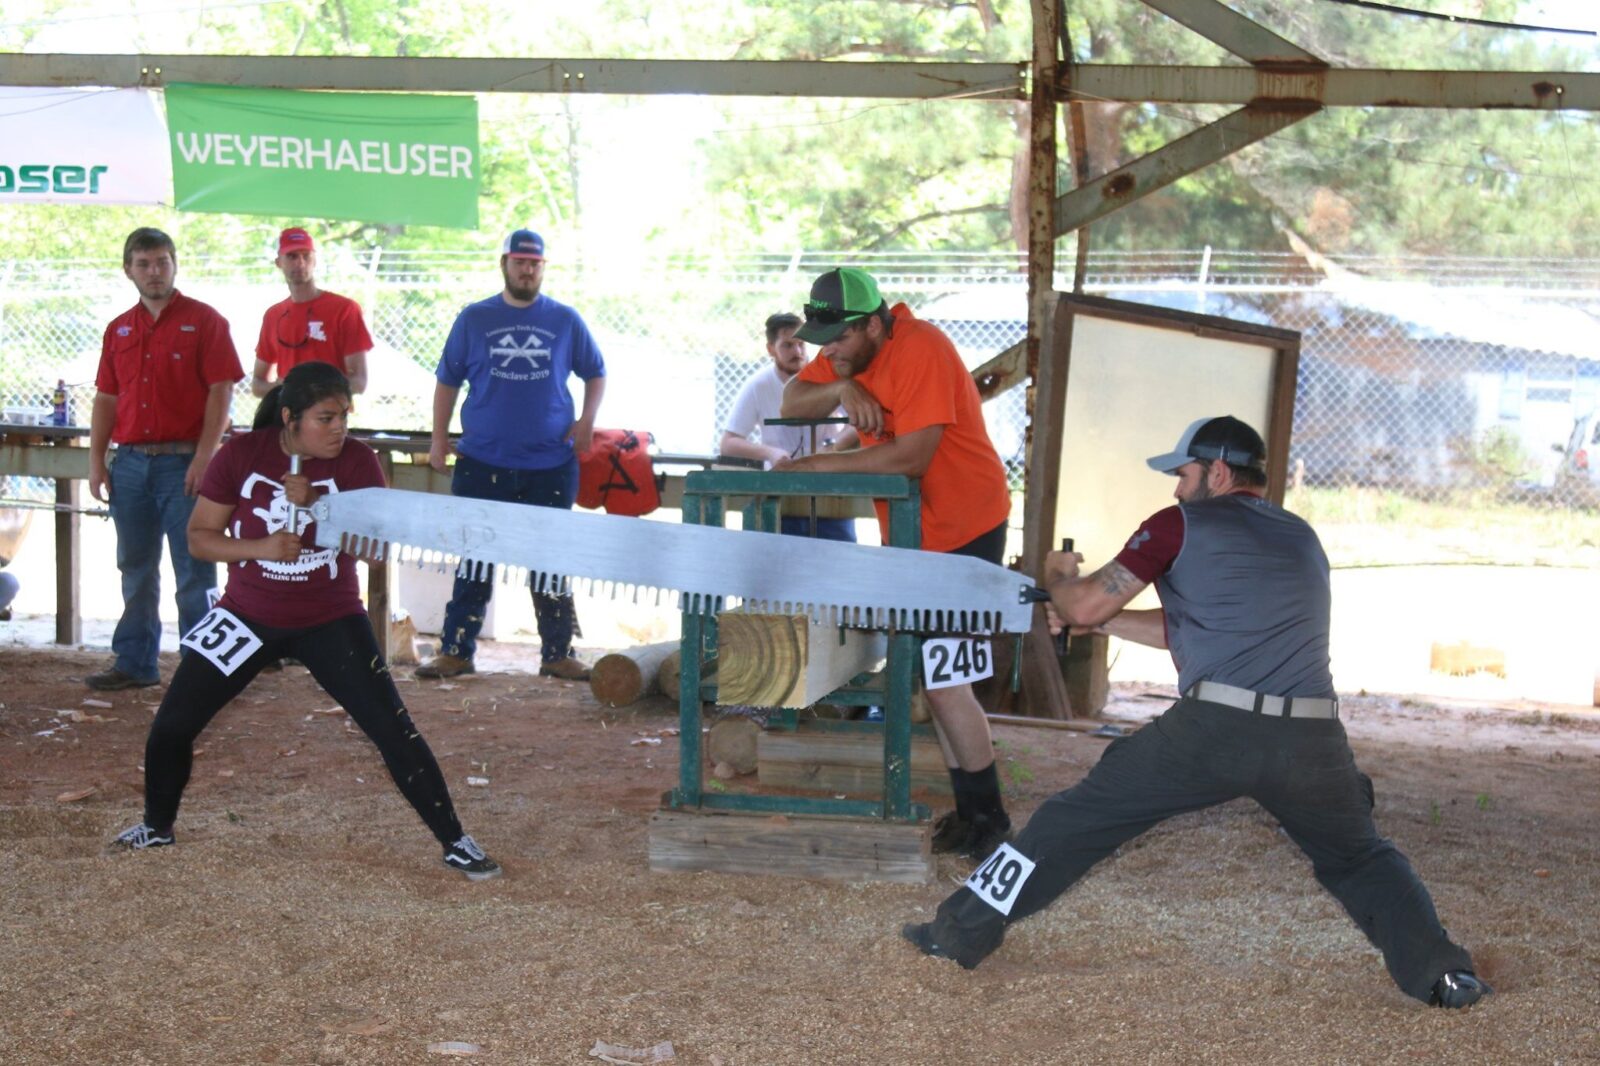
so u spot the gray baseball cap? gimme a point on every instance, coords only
(1224, 438)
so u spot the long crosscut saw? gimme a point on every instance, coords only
(701, 569)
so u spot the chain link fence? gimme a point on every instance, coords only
(1470, 387)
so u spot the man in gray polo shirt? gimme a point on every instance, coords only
(1245, 609)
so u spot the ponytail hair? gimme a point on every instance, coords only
(300, 390)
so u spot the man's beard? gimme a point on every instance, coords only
(519, 291)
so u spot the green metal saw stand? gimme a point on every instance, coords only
(705, 502)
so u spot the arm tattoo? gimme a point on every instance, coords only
(1117, 580)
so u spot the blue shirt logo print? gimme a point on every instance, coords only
(508, 350)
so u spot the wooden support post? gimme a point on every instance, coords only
(69, 563)
(790, 846)
(776, 660)
(380, 592)
(1088, 676)
(1044, 693)
(621, 677)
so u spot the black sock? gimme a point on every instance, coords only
(961, 785)
(985, 793)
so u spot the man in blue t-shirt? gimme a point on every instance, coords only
(521, 434)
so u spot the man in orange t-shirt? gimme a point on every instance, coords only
(905, 390)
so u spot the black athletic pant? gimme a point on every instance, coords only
(1200, 754)
(343, 657)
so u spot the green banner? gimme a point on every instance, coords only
(372, 157)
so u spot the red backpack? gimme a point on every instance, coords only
(616, 473)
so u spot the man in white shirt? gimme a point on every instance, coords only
(761, 398)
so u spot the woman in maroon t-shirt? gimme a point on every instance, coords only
(286, 597)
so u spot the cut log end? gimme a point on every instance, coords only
(622, 677)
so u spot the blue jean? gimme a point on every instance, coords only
(827, 528)
(469, 599)
(147, 503)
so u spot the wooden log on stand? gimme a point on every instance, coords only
(779, 660)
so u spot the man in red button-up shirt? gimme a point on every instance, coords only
(165, 383)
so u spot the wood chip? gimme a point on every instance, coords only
(458, 1048)
(373, 1026)
(102, 704)
(633, 1056)
(478, 782)
(77, 794)
(76, 715)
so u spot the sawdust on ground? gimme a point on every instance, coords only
(304, 916)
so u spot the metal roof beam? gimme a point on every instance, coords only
(642, 77)
(1339, 87)
(1244, 37)
(1167, 164)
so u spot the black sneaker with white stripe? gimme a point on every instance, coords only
(466, 856)
(140, 837)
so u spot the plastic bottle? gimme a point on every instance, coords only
(58, 403)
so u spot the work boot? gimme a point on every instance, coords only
(112, 679)
(1457, 989)
(987, 832)
(568, 669)
(442, 666)
(951, 832)
(938, 938)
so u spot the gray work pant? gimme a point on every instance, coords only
(1199, 754)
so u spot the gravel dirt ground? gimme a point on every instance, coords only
(304, 916)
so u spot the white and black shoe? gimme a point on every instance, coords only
(140, 837)
(465, 855)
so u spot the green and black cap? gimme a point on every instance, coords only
(838, 298)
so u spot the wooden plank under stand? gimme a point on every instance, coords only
(838, 849)
(787, 663)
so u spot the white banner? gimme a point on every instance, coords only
(99, 146)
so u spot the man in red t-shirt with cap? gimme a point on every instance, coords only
(311, 325)
(904, 388)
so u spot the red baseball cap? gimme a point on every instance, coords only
(294, 239)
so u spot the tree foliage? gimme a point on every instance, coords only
(887, 175)
(1364, 181)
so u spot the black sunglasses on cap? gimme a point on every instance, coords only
(832, 316)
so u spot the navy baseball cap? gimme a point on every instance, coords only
(1224, 438)
(523, 244)
(838, 298)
